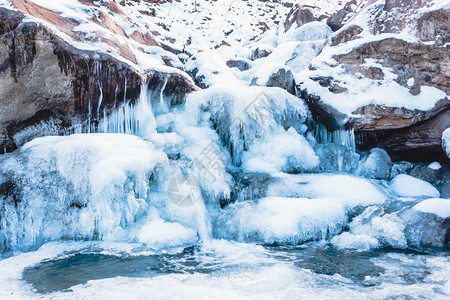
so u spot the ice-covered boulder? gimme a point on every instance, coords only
(403, 167)
(423, 225)
(427, 223)
(377, 165)
(408, 186)
(89, 186)
(300, 208)
(282, 220)
(285, 151)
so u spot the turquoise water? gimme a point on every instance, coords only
(351, 269)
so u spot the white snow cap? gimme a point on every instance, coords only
(408, 186)
(437, 206)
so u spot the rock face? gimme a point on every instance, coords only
(48, 85)
(370, 51)
(298, 15)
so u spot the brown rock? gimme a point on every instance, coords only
(298, 15)
(47, 85)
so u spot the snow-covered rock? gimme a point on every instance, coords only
(408, 186)
(75, 63)
(288, 220)
(437, 206)
(394, 48)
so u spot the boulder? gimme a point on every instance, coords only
(261, 51)
(240, 63)
(283, 79)
(339, 18)
(298, 15)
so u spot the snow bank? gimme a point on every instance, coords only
(408, 186)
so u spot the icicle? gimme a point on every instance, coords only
(132, 118)
(100, 98)
(162, 106)
(341, 137)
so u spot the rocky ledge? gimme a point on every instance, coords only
(48, 85)
(401, 49)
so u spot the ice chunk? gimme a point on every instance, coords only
(348, 240)
(274, 219)
(425, 225)
(286, 151)
(377, 165)
(408, 186)
(439, 207)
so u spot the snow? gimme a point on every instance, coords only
(437, 206)
(408, 186)
(210, 67)
(435, 166)
(361, 90)
(159, 234)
